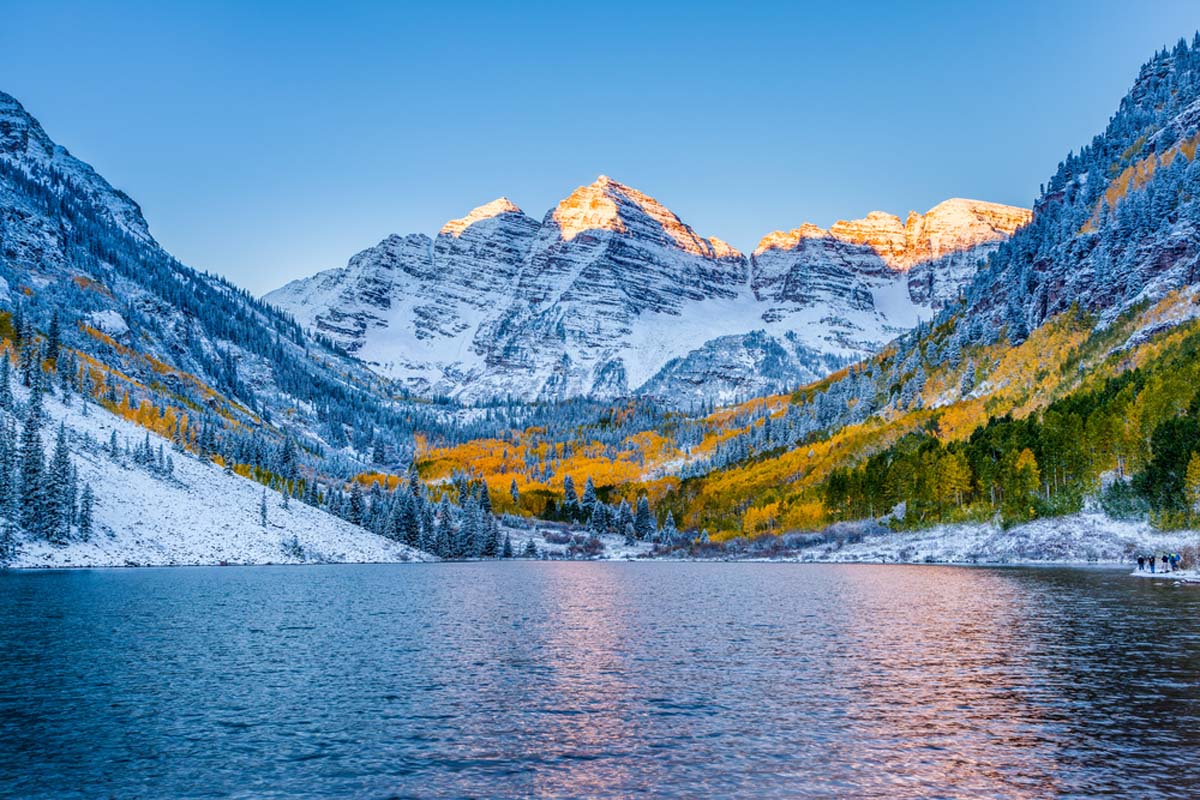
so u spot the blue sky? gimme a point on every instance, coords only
(266, 141)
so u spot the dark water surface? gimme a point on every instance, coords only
(598, 680)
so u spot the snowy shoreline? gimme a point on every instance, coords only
(1182, 575)
(1087, 538)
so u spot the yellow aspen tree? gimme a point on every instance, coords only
(1191, 483)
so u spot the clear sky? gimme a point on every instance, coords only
(268, 140)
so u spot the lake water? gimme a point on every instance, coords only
(598, 680)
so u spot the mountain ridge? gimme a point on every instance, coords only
(613, 294)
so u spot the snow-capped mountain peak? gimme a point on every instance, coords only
(612, 292)
(951, 226)
(606, 204)
(501, 205)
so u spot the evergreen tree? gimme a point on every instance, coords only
(59, 495)
(668, 533)
(8, 541)
(414, 480)
(588, 503)
(968, 379)
(53, 339)
(356, 509)
(6, 395)
(262, 508)
(86, 501)
(412, 521)
(643, 521)
(32, 491)
(624, 517)
(597, 523)
(570, 503)
(445, 528)
(514, 493)
(530, 550)
(9, 476)
(507, 551)
(485, 499)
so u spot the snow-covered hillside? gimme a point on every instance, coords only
(613, 294)
(198, 515)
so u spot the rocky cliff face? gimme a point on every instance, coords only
(613, 294)
(409, 305)
(811, 265)
(608, 267)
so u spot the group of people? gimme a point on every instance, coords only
(1170, 562)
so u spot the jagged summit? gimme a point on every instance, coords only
(501, 205)
(612, 292)
(609, 205)
(952, 225)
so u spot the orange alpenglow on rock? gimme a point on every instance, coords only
(949, 227)
(501, 205)
(599, 206)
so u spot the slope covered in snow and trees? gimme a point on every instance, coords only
(1064, 378)
(91, 305)
(612, 294)
(1059, 379)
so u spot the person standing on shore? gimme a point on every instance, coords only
(1141, 563)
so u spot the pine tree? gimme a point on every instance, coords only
(9, 477)
(589, 498)
(530, 550)
(6, 395)
(8, 541)
(414, 480)
(485, 499)
(86, 501)
(597, 522)
(59, 499)
(356, 509)
(445, 528)
(32, 491)
(968, 379)
(624, 521)
(668, 532)
(35, 398)
(507, 551)
(412, 521)
(514, 493)
(570, 503)
(262, 508)
(643, 521)
(53, 339)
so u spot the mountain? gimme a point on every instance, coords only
(98, 320)
(1049, 404)
(612, 294)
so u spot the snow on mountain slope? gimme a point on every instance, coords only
(607, 261)
(200, 515)
(409, 305)
(613, 294)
